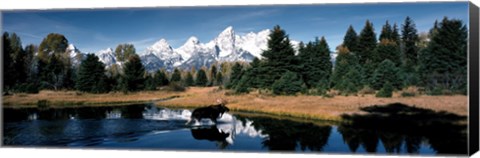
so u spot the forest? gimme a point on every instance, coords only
(435, 62)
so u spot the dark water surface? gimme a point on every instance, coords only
(385, 130)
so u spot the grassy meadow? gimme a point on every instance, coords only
(303, 106)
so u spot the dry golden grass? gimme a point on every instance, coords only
(60, 98)
(315, 107)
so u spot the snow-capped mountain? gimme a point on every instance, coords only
(75, 55)
(107, 57)
(227, 46)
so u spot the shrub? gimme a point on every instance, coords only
(175, 87)
(386, 91)
(288, 84)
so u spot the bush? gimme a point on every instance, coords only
(27, 88)
(288, 84)
(366, 90)
(175, 87)
(386, 91)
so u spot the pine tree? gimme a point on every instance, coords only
(189, 79)
(409, 40)
(367, 43)
(213, 74)
(396, 35)
(279, 56)
(161, 78)
(235, 76)
(316, 63)
(444, 63)
(150, 84)
(351, 39)
(347, 76)
(387, 49)
(91, 75)
(219, 78)
(133, 79)
(8, 64)
(385, 72)
(124, 51)
(54, 46)
(289, 84)
(386, 32)
(201, 78)
(176, 76)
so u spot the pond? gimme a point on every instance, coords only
(146, 126)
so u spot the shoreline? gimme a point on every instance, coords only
(302, 106)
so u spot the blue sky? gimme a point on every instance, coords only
(95, 29)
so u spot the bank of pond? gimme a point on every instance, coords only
(383, 129)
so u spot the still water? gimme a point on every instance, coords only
(149, 127)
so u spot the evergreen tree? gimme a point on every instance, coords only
(235, 75)
(347, 76)
(59, 73)
(176, 76)
(91, 75)
(387, 49)
(351, 39)
(386, 32)
(444, 63)
(213, 74)
(124, 51)
(189, 80)
(150, 83)
(316, 63)
(396, 35)
(8, 64)
(367, 43)
(386, 72)
(289, 84)
(279, 56)
(409, 40)
(386, 91)
(201, 79)
(133, 74)
(219, 78)
(161, 78)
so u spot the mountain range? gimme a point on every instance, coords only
(226, 47)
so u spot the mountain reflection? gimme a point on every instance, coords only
(287, 135)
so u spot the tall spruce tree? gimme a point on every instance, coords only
(213, 74)
(445, 58)
(347, 76)
(8, 64)
(134, 71)
(367, 43)
(201, 78)
(316, 63)
(386, 32)
(176, 76)
(236, 75)
(90, 72)
(409, 41)
(279, 56)
(387, 49)
(189, 81)
(385, 72)
(350, 40)
(161, 78)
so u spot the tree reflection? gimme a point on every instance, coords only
(398, 124)
(286, 135)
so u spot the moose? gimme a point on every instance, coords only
(211, 112)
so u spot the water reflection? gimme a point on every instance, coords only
(211, 133)
(398, 126)
(395, 129)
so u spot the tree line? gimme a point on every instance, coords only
(400, 58)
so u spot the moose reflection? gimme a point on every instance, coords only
(211, 133)
(398, 124)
